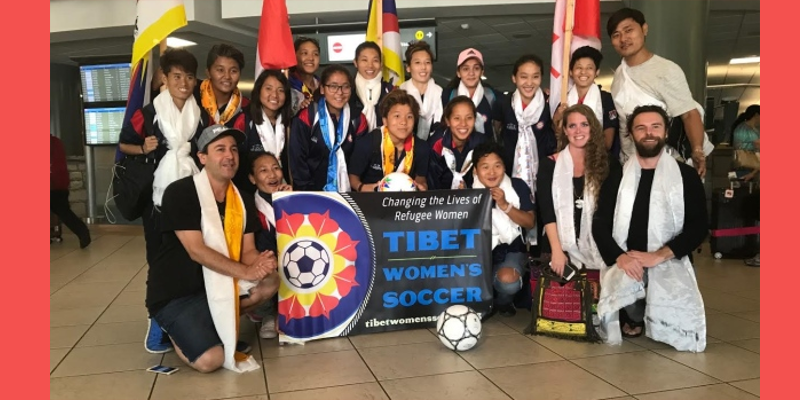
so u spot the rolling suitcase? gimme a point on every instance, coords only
(55, 228)
(734, 231)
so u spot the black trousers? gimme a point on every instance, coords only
(59, 205)
(151, 221)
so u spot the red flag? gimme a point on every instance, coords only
(275, 49)
(587, 18)
(585, 32)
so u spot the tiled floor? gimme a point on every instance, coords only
(98, 320)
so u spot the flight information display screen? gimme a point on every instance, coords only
(103, 125)
(105, 82)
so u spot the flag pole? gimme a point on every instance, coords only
(569, 22)
(162, 48)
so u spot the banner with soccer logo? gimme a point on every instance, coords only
(354, 263)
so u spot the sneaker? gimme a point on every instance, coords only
(156, 341)
(268, 330)
(243, 347)
(507, 310)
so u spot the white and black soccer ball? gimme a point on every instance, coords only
(459, 327)
(305, 264)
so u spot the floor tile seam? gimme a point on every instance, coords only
(374, 376)
(94, 264)
(601, 378)
(153, 386)
(688, 366)
(690, 387)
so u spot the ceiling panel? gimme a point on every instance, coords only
(490, 39)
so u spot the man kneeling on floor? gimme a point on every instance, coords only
(208, 270)
(648, 221)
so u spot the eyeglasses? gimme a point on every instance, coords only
(336, 88)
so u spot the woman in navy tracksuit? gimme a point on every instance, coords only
(527, 76)
(392, 147)
(468, 83)
(327, 125)
(370, 89)
(451, 154)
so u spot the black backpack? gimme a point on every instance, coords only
(133, 180)
(678, 139)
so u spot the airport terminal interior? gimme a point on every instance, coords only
(98, 319)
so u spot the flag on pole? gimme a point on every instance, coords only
(585, 32)
(274, 49)
(155, 20)
(383, 28)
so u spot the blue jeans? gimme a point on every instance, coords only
(506, 291)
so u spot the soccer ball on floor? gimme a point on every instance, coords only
(397, 182)
(306, 263)
(459, 327)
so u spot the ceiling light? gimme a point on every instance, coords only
(175, 42)
(746, 60)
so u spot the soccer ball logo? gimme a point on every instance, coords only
(459, 327)
(397, 182)
(306, 264)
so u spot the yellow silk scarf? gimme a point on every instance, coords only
(233, 227)
(210, 103)
(389, 150)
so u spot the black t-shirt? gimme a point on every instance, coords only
(173, 274)
(695, 224)
(367, 164)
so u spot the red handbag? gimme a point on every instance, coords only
(563, 308)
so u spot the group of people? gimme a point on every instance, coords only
(221, 157)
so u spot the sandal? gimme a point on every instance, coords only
(631, 325)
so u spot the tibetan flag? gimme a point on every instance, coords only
(155, 20)
(275, 49)
(384, 29)
(585, 32)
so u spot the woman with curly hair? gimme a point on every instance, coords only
(567, 188)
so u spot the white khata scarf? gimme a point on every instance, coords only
(583, 251)
(272, 138)
(526, 154)
(591, 100)
(178, 127)
(476, 98)
(430, 109)
(504, 230)
(369, 91)
(675, 313)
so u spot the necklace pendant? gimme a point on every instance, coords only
(579, 204)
